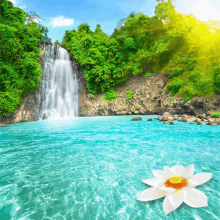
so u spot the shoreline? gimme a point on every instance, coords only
(166, 117)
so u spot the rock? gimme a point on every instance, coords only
(169, 122)
(203, 115)
(150, 119)
(166, 122)
(166, 117)
(198, 120)
(201, 123)
(136, 119)
(175, 117)
(172, 123)
(5, 125)
(213, 123)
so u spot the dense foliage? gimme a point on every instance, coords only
(98, 54)
(20, 70)
(176, 45)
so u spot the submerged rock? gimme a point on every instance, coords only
(150, 119)
(136, 119)
(169, 122)
(5, 125)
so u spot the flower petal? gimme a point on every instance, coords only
(195, 198)
(199, 179)
(176, 199)
(188, 172)
(151, 194)
(177, 170)
(167, 206)
(158, 182)
(168, 172)
(167, 189)
(159, 173)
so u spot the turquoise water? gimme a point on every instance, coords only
(92, 168)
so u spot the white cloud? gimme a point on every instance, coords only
(61, 21)
(18, 4)
(14, 2)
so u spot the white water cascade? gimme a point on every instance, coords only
(59, 86)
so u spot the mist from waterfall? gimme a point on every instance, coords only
(59, 87)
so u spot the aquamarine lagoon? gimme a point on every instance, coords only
(91, 168)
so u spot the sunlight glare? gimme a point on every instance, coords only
(205, 12)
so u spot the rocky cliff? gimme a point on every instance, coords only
(150, 97)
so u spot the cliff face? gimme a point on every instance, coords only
(150, 97)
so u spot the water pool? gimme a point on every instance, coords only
(92, 168)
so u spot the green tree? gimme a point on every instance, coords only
(19, 58)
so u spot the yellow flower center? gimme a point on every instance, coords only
(176, 182)
(175, 179)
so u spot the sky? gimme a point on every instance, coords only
(61, 15)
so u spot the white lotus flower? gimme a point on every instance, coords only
(177, 184)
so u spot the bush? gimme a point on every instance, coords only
(217, 83)
(9, 102)
(191, 63)
(205, 87)
(215, 114)
(148, 74)
(129, 95)
(195, 76)
(185, 99)
(174, 86)
(110, 94)
(91, 95)
(176, 73)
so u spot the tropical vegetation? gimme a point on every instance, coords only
(20, 71)
(178, 46)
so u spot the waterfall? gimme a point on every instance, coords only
(59, 89)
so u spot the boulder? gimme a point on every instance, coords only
(172, 123)
(136, 119)
(166, 117)
(201, 123)
(187, 118)
(212, 121)
(169, 122)
(198, 120)
(175, 117)
(150, 119)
